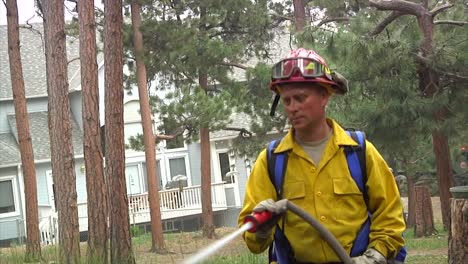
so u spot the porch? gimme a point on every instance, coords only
(174, 203)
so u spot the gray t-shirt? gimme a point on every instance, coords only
(315, 148)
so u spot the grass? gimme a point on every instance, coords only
(426, 250)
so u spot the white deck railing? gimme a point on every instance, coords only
(175, 199)
(173, 203)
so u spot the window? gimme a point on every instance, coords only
(177, 166)
(224, 166)
(145, 176)
(7, 197)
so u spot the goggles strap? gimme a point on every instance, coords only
(274, 105)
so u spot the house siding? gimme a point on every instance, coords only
(195, 163)
(75, 107)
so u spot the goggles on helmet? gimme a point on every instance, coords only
(309, 68)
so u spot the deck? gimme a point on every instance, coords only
(174, 203)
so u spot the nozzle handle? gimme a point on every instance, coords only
(257, 219)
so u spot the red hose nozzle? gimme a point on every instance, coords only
(257, 219)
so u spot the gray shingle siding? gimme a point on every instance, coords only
(38, 123)
(33, 62)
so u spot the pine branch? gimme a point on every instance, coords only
(389, 19)
(427, 63)
(451, 22)
(244, 133)
(332, 19)
(231, 64)
(405, 7)
(439, 9)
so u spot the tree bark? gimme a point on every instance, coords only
(411, 203)
(157, 244)
(424, 217)
(120, 240)
(299, 15)
(60, 132)
(95, 182)
(207, 208)
(33, 246)
(458, 242)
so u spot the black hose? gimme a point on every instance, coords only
(324, 233)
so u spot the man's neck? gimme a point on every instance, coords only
(316, 133)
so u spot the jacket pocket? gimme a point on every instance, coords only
(294, 190)
(345, 186)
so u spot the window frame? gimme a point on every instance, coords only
(14, 188)
(167, 171)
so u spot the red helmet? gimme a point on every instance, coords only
(301, 66)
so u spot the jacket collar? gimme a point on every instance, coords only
(339, 138)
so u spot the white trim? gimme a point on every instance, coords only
(22, 192)
(14, 188)
(50, 190)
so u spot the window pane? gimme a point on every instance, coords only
(177, 167)
(224, 163)
(7, 202)
(145, 178)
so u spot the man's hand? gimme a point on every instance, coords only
(371, 256)
(264, 231)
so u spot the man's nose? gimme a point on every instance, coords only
(293, 106)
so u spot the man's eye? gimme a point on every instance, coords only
(300, 98)
(286, 101)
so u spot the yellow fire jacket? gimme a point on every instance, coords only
(329, 194)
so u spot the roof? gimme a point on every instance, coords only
(39, 129)
(33, 61)
(10, 150)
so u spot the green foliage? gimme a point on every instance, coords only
(136, 231)
(185, 40)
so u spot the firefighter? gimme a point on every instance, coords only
(317, 177)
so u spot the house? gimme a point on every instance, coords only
(180, 203)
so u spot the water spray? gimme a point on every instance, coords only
(252, 222)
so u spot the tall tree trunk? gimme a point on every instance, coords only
(60, 132)
(95, 182)
(299, 15)
(411, 203)
(444, 173)
(33, 246)
(157, 244)
(429, 86)
(120, 240)
(207, 207)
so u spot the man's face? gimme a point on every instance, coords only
(305, 104)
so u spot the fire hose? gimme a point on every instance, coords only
(260, 218)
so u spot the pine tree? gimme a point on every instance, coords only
(194, 46)
(95, 182)
(60, 132)
(157, 244)
(33, 246)
(120, 240)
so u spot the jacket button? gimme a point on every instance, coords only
(319, 194)
(323, 218)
